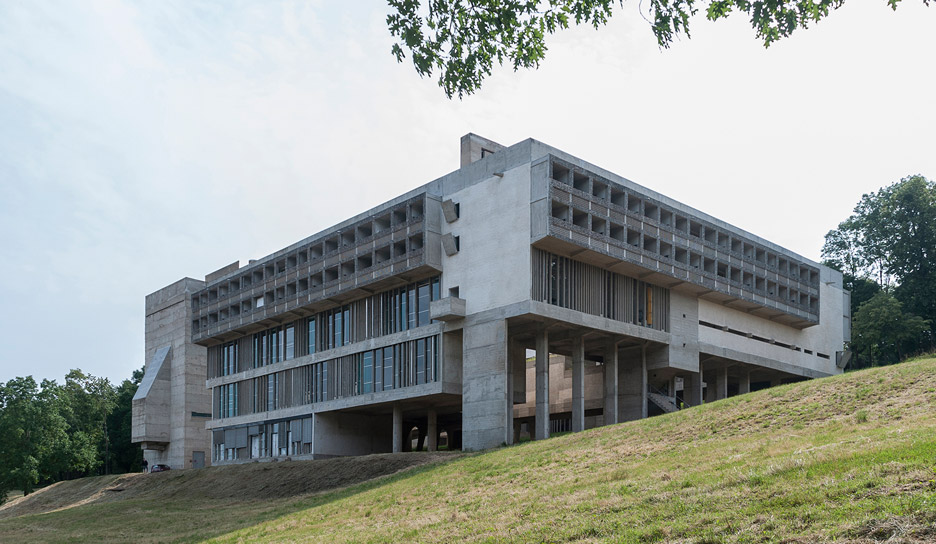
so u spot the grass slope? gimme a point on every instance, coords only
(848, 459)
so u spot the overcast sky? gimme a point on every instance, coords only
(144, 142)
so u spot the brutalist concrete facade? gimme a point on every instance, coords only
(525, 293)
(171, 405)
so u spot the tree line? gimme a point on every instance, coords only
(885, 251)
(52, 432)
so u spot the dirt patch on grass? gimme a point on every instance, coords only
(253, 481)
(897, 530)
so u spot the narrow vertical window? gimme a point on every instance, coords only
(421, 361)
(412, 308)
(368, 372)
(346, 317)
(649, 305)
(387, 368)
(311, 335)
(336, 319)
(423, 304)
(290, 342)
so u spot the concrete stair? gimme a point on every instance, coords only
(667, 404)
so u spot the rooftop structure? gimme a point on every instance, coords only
(414, 320)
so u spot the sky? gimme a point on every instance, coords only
(143, 142)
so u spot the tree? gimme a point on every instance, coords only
(125, 456)
(883, 332)
(463, 38)
(34, 433)
(891, 238)
(90, 399)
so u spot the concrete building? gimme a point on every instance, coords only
(414, 320)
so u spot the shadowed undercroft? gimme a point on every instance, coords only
(845, 459)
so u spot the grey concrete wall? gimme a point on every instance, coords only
(337, 433)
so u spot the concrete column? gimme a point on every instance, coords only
(486, 406)
(744, 385)
(611, 384)
(516, 378)
(632, 383)
(397, 428)
(432, 436)
(516, 429)
(709, 379)
(578, 384)
(542, 386)
(518, 369)
(692, 388)
(721, 383)
(672, 387)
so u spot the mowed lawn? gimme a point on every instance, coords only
(845, 459)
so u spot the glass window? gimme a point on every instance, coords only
(368, 371)
(411, 315)
(424, 304)
(421, 361)
(311, 335)
(387, 368)
(290, 342)
(346, 326)
(336, 319)
(325, 381)
(436, 286)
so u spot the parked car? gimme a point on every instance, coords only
(160, 468)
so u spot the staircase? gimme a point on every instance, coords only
(667, 404)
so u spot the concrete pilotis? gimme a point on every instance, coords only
(517, 356)
(578, 384)
(721, 383)
(632, 383)
(432, 438)
(611, 384)
(692, 388)
(542, 386)
(397, 428)
(487, 409)
(744, 384)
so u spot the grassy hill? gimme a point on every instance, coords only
(844, 459)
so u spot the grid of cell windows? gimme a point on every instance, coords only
(633, 226)
(394, 238)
